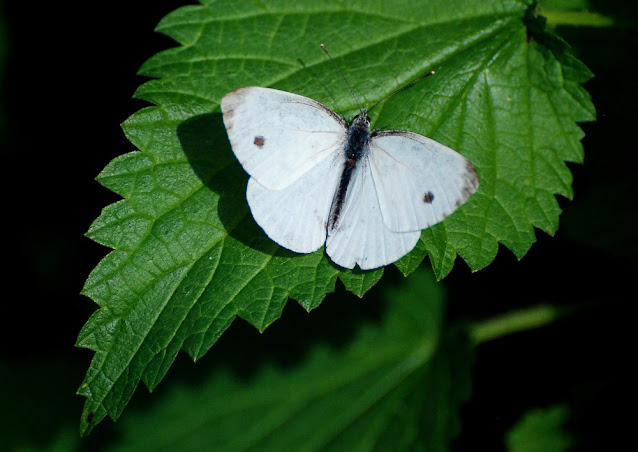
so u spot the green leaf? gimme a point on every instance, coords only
(398, 385)
(541, 429)
(187, 256)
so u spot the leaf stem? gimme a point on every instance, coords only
(514, 322)
(577, 18)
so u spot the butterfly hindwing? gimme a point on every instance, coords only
(361, 236)
(418, 181)
(278, 136)
(296, 216)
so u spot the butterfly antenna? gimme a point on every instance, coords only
(323, 47)
(402, 88)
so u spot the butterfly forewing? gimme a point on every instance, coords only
(278, 136)
(418, 181)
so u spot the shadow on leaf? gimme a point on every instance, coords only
(208, 151)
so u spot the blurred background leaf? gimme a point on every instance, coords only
(541, 429)
(397, 385)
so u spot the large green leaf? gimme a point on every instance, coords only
(188, 257)
(396, 386)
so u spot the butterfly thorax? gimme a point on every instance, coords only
(358, 139)
(355, 147)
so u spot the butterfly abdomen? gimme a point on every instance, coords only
(356, 146)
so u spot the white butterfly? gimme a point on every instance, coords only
(315, 179)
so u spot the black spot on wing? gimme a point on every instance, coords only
(428, 197)
(259, 141)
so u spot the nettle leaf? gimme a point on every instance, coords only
(187, 256)
(396, 386)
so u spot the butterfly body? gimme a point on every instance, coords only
(317, 180)
(355, 148)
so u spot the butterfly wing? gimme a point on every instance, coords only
(278, 136)
(405, 183)
(418, 181)
(296, 216)
(361, 236)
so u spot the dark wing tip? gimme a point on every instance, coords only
(470, 182)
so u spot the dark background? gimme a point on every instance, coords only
(69, 76)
